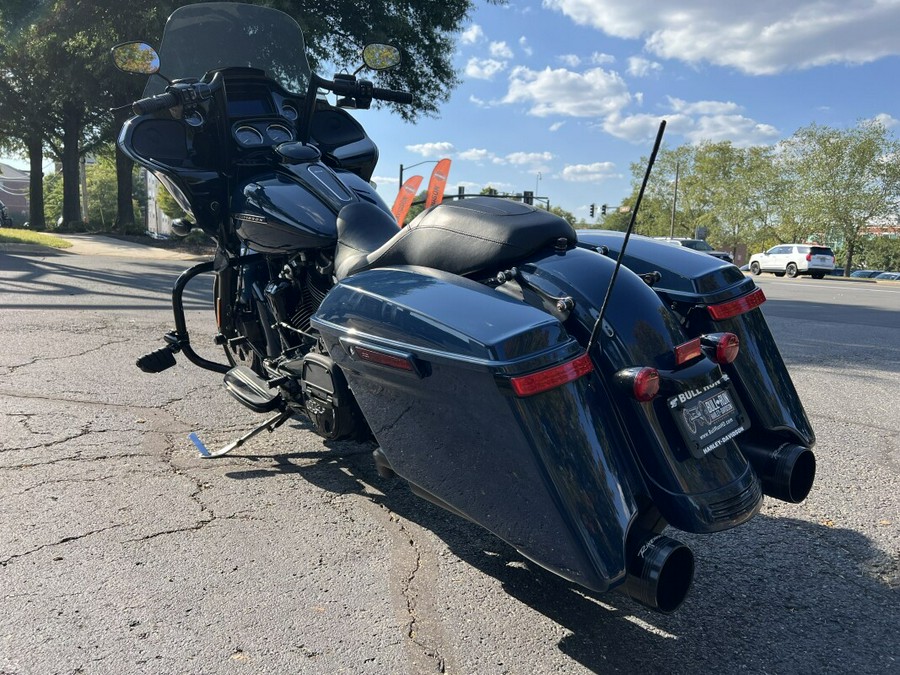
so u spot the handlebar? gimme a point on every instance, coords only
(392, 95)
(154, 103)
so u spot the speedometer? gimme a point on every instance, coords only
(278, 133)
(246, 135)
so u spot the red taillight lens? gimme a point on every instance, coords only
(544, 380)
(743, 304)
(808, 257)
(641, 383)
(687, 351)
(723, 347)
(646, 384)
(383, 359)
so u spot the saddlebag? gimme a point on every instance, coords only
(434, 361)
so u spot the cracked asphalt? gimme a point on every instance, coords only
(123, 552)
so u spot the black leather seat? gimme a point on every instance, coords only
(461, 237)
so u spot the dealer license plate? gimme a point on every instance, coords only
(708, 417)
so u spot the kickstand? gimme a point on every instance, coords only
(269, 425)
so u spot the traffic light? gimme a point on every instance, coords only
(593, 210)
(603, 210)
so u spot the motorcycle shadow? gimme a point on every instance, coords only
(760, 591)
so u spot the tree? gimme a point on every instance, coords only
(845, 180)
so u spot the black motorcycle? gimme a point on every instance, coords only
(572, 392)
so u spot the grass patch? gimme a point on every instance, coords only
(14, 236)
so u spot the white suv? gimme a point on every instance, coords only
(793, 260)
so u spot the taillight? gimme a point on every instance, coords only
(641, 383)
(732, 308)
(723, 348)
(551, 378)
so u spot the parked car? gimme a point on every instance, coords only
(888, 276)
(865, 274)
(793, 260)
(698, 245)
(5, 220)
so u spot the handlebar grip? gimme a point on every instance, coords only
(154, 103)
(392, 95)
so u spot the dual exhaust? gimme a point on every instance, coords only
(661, 569)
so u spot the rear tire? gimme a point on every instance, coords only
(791, 270)
(754, 268)
(818, 275)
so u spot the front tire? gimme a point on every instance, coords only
(754, 268)
(791, 270)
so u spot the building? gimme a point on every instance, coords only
(14, 192)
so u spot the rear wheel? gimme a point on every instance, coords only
(791, 270)
(754, 267)
(818, 275)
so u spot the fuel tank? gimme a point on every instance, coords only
(295, 206)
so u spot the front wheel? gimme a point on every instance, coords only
(754, 267)
(791, 270)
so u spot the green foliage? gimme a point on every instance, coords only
(878, 253)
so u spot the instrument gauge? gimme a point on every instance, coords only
(247, 136)
(278, 133)
(194, 119)
(289, 112)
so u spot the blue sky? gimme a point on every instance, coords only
(563, 96)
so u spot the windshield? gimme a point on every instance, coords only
(697, 244)
(208, 36)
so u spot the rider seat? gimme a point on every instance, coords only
(462, 237)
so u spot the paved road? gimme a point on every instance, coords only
(122, 552)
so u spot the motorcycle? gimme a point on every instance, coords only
(573, 392)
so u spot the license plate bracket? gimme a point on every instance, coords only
(708, 417)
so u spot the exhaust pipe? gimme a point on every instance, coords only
(786, 472)
(660, 571)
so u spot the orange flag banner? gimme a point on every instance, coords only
(405, 198)
(438, 182)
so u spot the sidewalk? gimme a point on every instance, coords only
(93, 244)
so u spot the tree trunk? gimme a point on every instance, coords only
(71, 165)
(124, 192)
(848, 265)
(36, 183)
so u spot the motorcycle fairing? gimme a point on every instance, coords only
(544, 473)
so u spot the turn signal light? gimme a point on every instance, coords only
(745, 303)
(723, 347)
(641, 383)
(551, 378)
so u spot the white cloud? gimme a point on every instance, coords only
(570, 60)
(439, 149)
(484, 69)
(524, 46)
(532, 161)
(601, 59)
(594, 93)
(641, 67)
(703, 107)
(589, 173)
(887, 121)
(472, 35)
(556, 126)
(759, 38)
(500, 50)
(476, 155)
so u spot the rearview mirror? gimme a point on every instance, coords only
(136, 57)
(381, 57)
